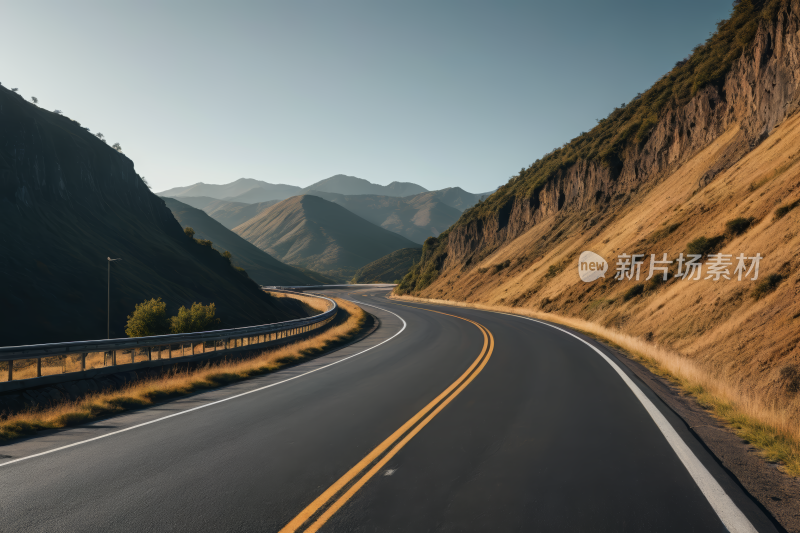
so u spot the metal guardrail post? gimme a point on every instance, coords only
(83, 361)
(39, 367)
(11, 371)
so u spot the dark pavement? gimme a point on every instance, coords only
(546, 437)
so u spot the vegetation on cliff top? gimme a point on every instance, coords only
(634, 122)
(631, 123)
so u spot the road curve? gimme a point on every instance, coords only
(526, 428)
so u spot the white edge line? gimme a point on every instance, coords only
(730, 515)
(214, 402)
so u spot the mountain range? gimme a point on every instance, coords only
(320, 235)
(259, 265)
(229, 214)
(253, 191)
(416, 217)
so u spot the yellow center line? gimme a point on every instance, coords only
(420, 420)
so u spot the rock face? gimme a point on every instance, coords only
(759, 92)
(67, 202)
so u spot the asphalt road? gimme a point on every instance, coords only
(494, 423)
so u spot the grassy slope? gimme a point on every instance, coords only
(743, 342)
(752, 346)
(260, 266)
(389, 268)
(68, 201)
(320, 235)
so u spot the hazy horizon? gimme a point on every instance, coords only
(441, 94)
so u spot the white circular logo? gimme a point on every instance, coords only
(591, 266)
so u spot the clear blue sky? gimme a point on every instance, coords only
(442, 93)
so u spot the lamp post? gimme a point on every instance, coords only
(108, 314)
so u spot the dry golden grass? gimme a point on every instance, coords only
(748, 347)
(213, 374)
(769, 426)
(313, 306)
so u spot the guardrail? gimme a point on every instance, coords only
(37, 360)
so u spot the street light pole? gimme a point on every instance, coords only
(108, 313)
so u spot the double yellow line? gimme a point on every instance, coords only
(320, 510)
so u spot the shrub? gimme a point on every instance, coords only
(199, 318)
(783, 210)
(704, 245)
(656, 281)
(766, 285)
(189, 232)
(737, 226)
(633, 292)
(494, 269)
(553, 270)
(149, 318)
(228, 256)
(791, 374)
(205, 242)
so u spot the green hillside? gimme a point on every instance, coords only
(314, 233)
(389, 268)
(259, 265)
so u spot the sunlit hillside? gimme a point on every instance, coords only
(717, 174)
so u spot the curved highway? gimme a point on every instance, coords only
(444, 419)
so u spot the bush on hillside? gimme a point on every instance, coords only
(767, 285)
(737, 226)
(189, 232)
(783, 210)
(633, 292)
(149, 318)
(199, 318)
(704, 245)
(205, 242)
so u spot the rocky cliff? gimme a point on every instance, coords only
(759, 91)
(717, 170)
